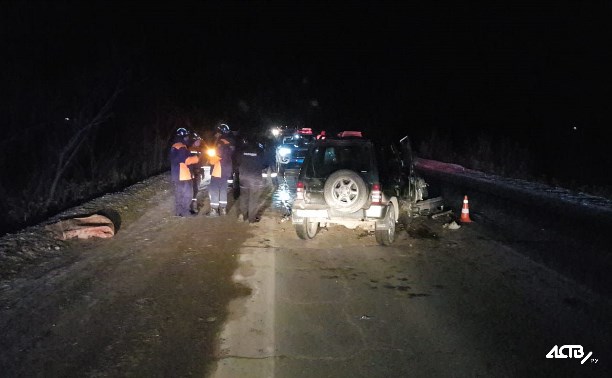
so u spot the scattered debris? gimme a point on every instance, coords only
(365, 317)
(416, 295)
(421, 231)
(452, 225)
(447, 212)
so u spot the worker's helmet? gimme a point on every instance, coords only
(223, 128)
(181, 135)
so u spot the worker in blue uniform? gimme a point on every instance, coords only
(180, 162)
(251, 161)
(221, 172)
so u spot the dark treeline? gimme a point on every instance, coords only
(90, 106)
(92, 91)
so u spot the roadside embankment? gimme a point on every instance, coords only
(570, 232)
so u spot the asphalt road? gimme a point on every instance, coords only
(439, 302)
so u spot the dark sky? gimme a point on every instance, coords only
(526, 71)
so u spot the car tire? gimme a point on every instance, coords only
(306, 229)
(387, 236)
(345, 191)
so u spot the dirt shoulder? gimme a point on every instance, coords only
(149, 301)
(34, 249)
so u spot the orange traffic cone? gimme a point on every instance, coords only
(465, 211)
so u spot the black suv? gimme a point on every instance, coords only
(354, 182)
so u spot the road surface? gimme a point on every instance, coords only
(174, 297)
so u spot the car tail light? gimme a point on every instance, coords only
(300, 190)
(376, 194)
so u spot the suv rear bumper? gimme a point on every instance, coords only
(369, 219)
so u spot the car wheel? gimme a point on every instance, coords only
(306, 229)
(387, 236)
(345, 191)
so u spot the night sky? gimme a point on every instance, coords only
(537, 74)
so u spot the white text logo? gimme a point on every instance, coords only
(573, 351)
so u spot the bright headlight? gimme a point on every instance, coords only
(211, 152)
(284, 151)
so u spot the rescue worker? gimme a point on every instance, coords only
(251, 161)
(222, 171)
(180, 160)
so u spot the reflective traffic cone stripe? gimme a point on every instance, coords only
(465, 211)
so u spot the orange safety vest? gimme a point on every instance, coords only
(184, 172)
(215, 161)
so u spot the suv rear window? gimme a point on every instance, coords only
(326, 159)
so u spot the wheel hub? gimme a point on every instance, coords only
(346, 191)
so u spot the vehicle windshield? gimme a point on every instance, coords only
(327, 159)
(298, 140)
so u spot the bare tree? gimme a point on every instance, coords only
(82, 127)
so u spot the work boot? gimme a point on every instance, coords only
(193, 207)
(213, 213)
(222, 211)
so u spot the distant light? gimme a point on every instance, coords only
(284, 151)
(275, 131)
(574, 128)
(211, 152)
(67, 119)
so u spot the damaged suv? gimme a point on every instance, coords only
(354, 182)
